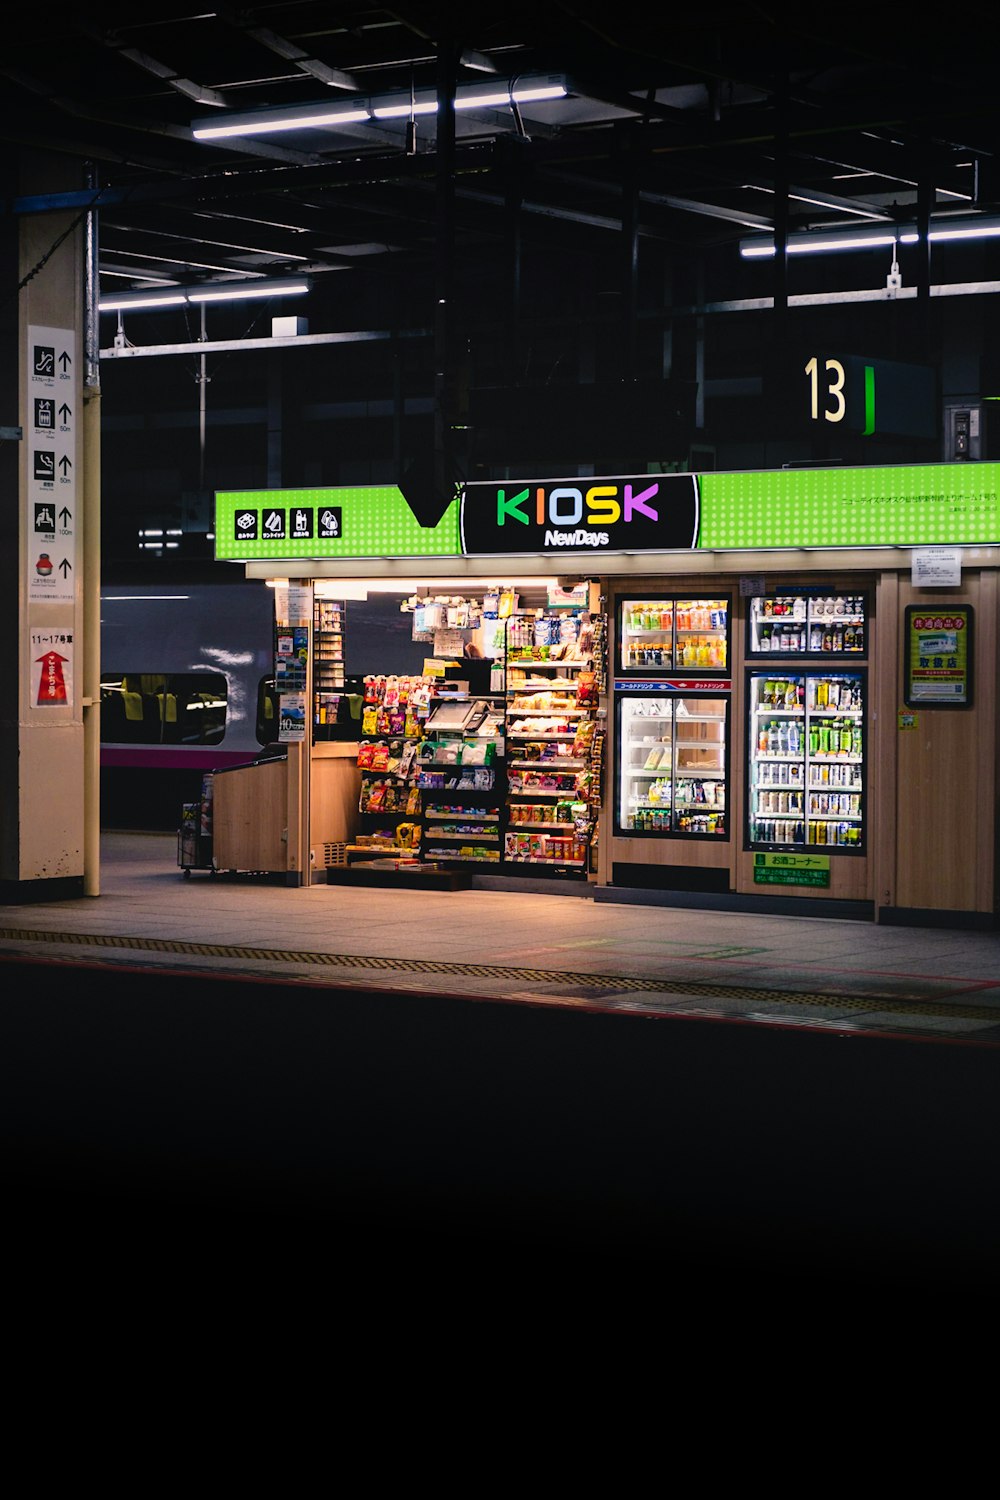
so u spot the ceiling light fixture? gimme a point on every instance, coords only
(219, 291)
(819, 242)
(309, 117)
(381, 107)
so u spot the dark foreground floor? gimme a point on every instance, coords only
(143, 1108)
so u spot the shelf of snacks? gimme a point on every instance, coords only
(391, 728)
(552, 703)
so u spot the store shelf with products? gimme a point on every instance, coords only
(552, 707)
(390, 803)
(459, 774)
(813, 623)
(328, 666)
(807, 760)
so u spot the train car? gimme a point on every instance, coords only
(186, 688)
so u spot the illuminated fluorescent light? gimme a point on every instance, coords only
(141, 299)
(987, 229)
(218, 291)
(402, 109)
(817, 243)
(265, 122)
(522, 94)
(382, 107)
(237, 293)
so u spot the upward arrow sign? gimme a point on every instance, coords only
(65, 567)
(65, 463)
(65, 361)
(65, 515)
(65, 412)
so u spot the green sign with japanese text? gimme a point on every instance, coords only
(791, 869)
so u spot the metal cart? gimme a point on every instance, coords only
(194, 848)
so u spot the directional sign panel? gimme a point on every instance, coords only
(51, 446)
(51, 667)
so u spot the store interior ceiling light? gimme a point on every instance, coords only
(385, 107)
(819, 242)
(219, 291)
(333, 588)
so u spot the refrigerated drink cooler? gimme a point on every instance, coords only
(672, 632)
(671, 764)
(806, 764)
(814, 624)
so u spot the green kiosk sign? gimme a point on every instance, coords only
(908, 506)
(913, 505)
(350, 522)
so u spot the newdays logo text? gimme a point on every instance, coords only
(568, 507)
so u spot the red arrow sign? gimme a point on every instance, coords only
(52, 684)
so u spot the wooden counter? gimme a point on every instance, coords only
(255, 812)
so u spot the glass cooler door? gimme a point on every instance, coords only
(671, 764)
(673, 632)
(813, 624)
(806, 761)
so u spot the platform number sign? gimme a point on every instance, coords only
(834, 407)
(848, 392)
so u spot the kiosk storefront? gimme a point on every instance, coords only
(792, 673)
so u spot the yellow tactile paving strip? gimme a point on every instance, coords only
(911, 1011)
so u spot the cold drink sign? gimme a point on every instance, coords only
(938, 656)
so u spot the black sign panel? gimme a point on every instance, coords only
(639, 513)
(828, 391)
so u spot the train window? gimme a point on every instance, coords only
(267, 712)
(163, 708)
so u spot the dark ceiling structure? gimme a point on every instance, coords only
(705, 123)
(460, 172)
